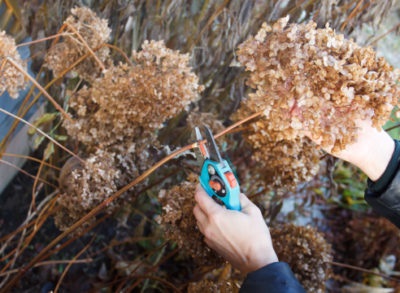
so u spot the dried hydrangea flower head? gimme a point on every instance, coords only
(130, 102)
(316, 80)
(94, 31)
(232, 286)
(221, 279)
(84, 187)
(307, 253)
(197, 119)
(203, 118)
(181, 225)
(364, 242)
(281, 164)
(287, 163)
(11, 79)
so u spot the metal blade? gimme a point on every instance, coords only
(212, 146)
(199, 137)
(202, 148)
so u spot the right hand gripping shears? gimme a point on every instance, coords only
(216, 176)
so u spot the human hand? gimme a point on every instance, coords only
(371, 152)
(242, 238)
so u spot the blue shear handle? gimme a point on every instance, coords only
(231, 199)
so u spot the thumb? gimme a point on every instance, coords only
(248, 207)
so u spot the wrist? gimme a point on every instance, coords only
(260, 257)
(371, 152)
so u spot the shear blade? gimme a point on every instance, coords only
(202, 147)
(212, 146)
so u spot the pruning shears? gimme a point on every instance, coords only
(216, 176)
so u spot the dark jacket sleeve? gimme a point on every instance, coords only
(384, 194)
(275, 277)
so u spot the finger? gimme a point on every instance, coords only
(248, 207)
(200, 216)
(205, 202)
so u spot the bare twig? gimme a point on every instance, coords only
(73, 261)
(43, 39)
(50, 262)
(26, 173)
(343, 265)
(119, 51)
(393, 127)
(43, 133)
(41, 89)
(374, 41)
(87, 47)
(30, 159)
(228, 129)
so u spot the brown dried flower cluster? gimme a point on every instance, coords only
(315, 80)
(226, 286)
(280, 164)
(306, 251)
(181, 225)
(83, 26)
(11, 79)
(203, 118)
(365, 241)
(221, 279)
(210, 120)
(287, 163)
(84, 187)
(117, 115)
(130, 102)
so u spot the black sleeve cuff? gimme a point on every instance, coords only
(275, 277)
(383, 182)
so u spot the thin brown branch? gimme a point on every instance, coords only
(351, 15)
(393, 127)
(27, 223)
(33, 200)
(26, 173)
(217, 12)
(49, 262)
(31, 159)
(73, 261)
(43, 133)
(160, 280)
(87, 47)
(343, 265)
(373, 42)
(121, 52)
(22, 110)
(43, 39)
(228, 129)
(41, 89)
